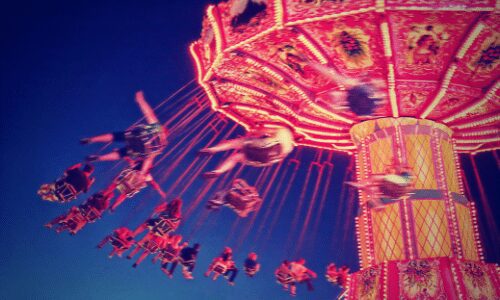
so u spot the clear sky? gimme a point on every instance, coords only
(69, 69)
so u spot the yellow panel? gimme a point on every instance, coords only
(419, 153)
(362, 130)
(386, 123)
(466, 232)
(431, 228)
(387, 233)
(449, 166)
(410, 121)
(381, 155)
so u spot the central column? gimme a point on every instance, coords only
(430, 232)
(435, 221)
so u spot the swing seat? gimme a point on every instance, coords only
(90, 213)
(251, 271)
(220, 268)
(165, 226)
(121, 243)
(130, 182)
(144, 140)
(284, 278)
(64, 191)
(169, 254)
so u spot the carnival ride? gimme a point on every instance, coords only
(440, 62)
(264, 64)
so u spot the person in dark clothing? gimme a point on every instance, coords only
(141, 141)
(361, 96)
(244, 12)
(100, 200)
(251, 265)
(187, 258)
(75, 181)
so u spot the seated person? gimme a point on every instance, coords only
(71, 221)
(337, 276)
(242, 198)
(244, 12)
(131, 181)
(141, 141)
(302, 274)
(261, 147)
(223, 265)
(362, 96)
(397, 185)
(394, 184)
(121, 240)
(78, 216)
(187, 258)
(151, 244)
(99, 202)
(251, 265)
(284, 277)
(170, 253)
(74, 182)
(165, 219)
(342, 277)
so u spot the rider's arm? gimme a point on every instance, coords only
(147, 111)
(76, 166)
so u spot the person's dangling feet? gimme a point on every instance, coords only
(85, 141)
(91, 158)
(205, 152)
(211, 174)
(187, 275)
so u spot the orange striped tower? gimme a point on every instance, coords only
(425, 246)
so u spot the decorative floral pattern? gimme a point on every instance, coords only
(477, 281)
(421, 47)
(319, 2)
(368, 283)
(424, 43)
(352, 46)
(489, 56)
(486, 58)
(420, 279)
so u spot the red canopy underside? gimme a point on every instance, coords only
(439, 60)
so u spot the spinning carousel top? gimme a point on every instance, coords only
(322, 66)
